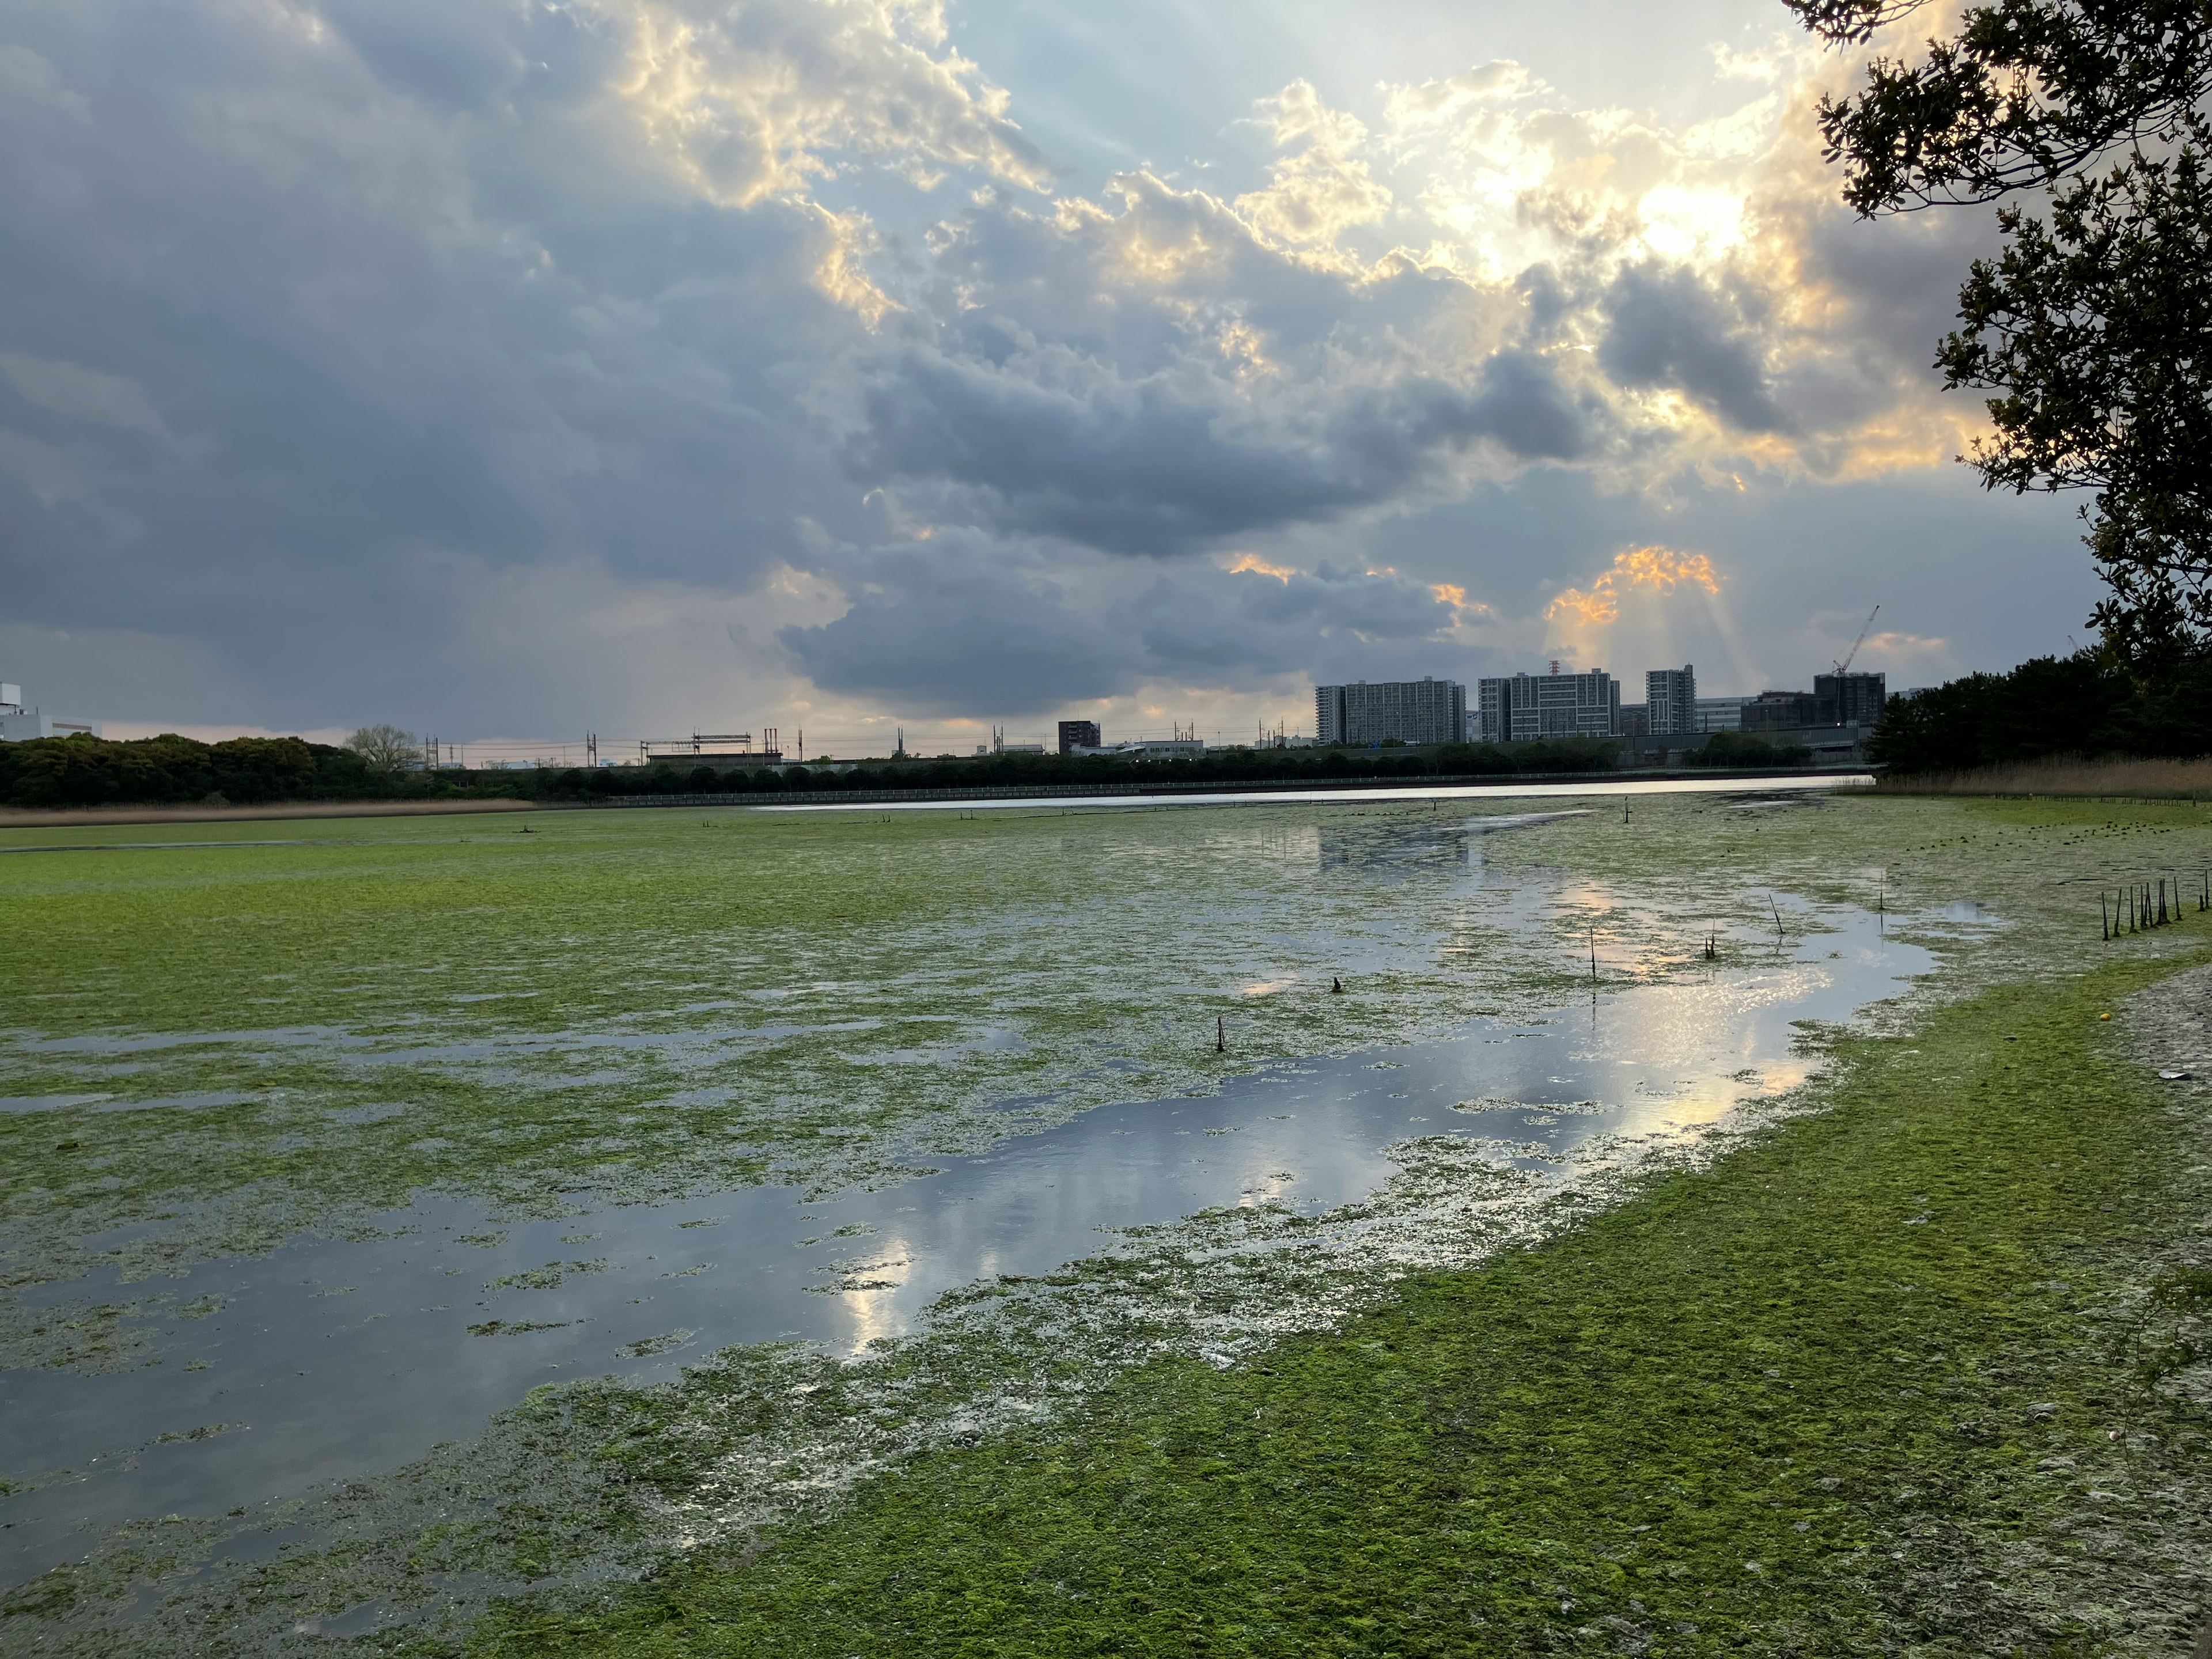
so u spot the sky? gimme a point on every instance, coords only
(507, 369)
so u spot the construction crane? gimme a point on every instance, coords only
(1844, 666)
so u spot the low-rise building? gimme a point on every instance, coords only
(1147, 749)
(1771, 711)
(21, 722)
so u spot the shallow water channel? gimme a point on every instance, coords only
(330, 1359)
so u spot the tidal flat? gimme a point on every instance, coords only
(695, 1182)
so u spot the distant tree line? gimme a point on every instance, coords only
(1317, 766)
(172, 770)
(378, 765)
(1742, 748)
(2089, 704)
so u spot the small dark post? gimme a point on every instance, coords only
(1593, 953)
(2104, 921)
(1220, 1035)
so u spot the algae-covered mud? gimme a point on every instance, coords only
(790, 1149)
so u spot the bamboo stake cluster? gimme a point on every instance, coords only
(2143, 905)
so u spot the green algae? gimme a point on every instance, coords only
(637, 1007)
(503, 1101)
(1844, 1391)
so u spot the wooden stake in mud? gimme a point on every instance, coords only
(1778, 917)
(1220, 1035)
(2104, 921)
(1593, 953)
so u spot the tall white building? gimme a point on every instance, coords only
(1523, 707)
(1670, 695)
(1409, 711)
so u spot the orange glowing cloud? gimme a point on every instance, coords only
(1660, 568)
(1258, 565)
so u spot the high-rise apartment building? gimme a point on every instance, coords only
(1079, 735)
(1670, 696)
(1853, 699)
(1404, 711)
(1523, 708)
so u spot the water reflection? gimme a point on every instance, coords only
(1411, 792)
(333, 1358)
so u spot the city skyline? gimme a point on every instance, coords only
(629, 367)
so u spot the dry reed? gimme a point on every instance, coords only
(2139, 777)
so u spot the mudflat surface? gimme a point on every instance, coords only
(794, 1148)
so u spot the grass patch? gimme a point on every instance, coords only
(1857, 1388)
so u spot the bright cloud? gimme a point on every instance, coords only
(1659, 568)
(761, 97)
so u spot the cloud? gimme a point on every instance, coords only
(962, 623)
(606, 362)
(954, 626)
(756, 99)
(1668, 328)
(115, 400)
(1661, 570)
(1324, 187)
(1059, 445)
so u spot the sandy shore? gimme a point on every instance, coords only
(27, 818)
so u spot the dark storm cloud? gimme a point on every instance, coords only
(1666, 327)
(945, 627)
(961, 623)
(386, 319)
(1164, 464)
